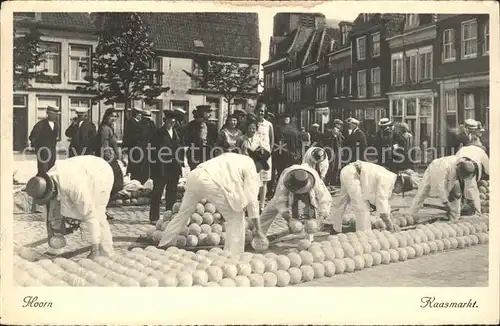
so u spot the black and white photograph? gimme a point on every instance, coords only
(307, 148)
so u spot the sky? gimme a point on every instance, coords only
(266, 20)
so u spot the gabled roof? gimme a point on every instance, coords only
(294, 42)
(394, 23)
(222, 34)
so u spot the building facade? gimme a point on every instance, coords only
(71, 38)
(462, 44)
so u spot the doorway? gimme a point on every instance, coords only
(20, 123)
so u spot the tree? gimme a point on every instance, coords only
(230, 79)
(122, 66)
(27, 56)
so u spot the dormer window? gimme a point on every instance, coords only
(332, 45)
(411, 21)
(273, 49)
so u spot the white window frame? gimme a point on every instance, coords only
(335, 91)
(342, 85)
(424, 52)
(471, 39)
(375, 83)
(50, 55)
(411, 20)
(322, 93)
(358, 52)
(486, 38)
(80, 60)
(449, 45)
(361, 86)
(350, 85)
(374, 41)
(413, 74)
(397, 56)
(468, 107)
(447, 96)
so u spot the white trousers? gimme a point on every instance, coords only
(350, 193)
(423, 192)
(198, 186)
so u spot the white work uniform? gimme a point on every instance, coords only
(439, 179)
(84, 185)
(229, 181)
(283, 199)
(321, 167)
(362, 182)
(479, 156)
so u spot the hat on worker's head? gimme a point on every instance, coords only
(385, 123)
(53, 109)
(146, 113)
(466, 168)
(471, 124)
(406, 182)
(299, 181)
(81, 111)
(261, 156)
(204, 108)
(318, 154)
(41, 188)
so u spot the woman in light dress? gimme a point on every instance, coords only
(265, 131)
(230, 137)
(252, 141)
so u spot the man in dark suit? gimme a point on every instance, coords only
(316, 135)
(390, 146)
(166, 167)
(82, 133)
(135, 145)
(355, 143)
(333, 145)
(43, 139)
(148, 130)
(201, 136)
(288, 145)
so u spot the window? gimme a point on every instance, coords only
(214, 102)
(411, 107)
(157, 66)
(321, 93)
(397, 68)
(79, 61)
(335, 90)
(342, 87)
(411, 20)
(449, 45)
(375, 81)
(349, 82)
(362, 83)
(397, 109)
(486, 38)
(52, 57)
(20, 101)
(308, 80)
(469, 109)
(425, 64)
(469, 39)
(450, 101)
(41, 106)
(75, 103)
(376, 45)
(361, 47)
(345, 33)
(411, 67)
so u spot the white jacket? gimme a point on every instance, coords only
(84, 185)
(440, 176)
(377, 184)
(478, 155)
(236, 176)
(309, 161)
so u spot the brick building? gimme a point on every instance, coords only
(462, 76)
(183, 41)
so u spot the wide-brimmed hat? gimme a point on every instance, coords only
(385, 123)
(466, 168)
(41, 188)
(146, 113)
(179, 110)
(353, 121)
(315, 125)
(136, 109)
(204, 108)
(471, 124)
(80, 111)
(53, 109)
(299, 181)
(260, 155)
(318, 154)
(170, 114)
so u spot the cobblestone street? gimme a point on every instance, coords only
(464, 267)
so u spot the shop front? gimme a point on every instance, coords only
(416, 109)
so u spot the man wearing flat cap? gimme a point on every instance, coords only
(43, 138)
(201, 136)
(82, 133)
(355, 142)
(135, 145)
(390, 146)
